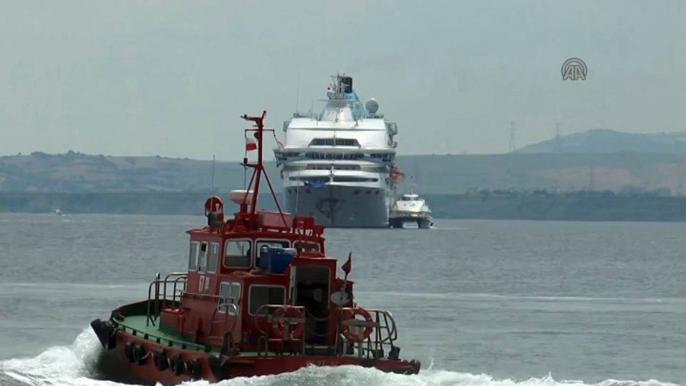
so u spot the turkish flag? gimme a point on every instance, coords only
(348, 265)
(250, 144)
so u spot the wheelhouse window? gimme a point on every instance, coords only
(202, 257)
(272, 244)
(307, 246)
(238, 254)
(265, 294)
(260, 244)
(214, 256)
(193, 256)
(229, 293)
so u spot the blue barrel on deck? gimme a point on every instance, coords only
(277, 260)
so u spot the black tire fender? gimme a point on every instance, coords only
(161, 361)
(139, 355)
(176, 364)
(194, 368)
(218, 369)
(128, 351)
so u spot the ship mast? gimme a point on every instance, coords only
(259, 169)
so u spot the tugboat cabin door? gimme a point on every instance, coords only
(310, 287)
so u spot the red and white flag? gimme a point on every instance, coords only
(250, 143)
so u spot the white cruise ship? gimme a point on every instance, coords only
(339, 166)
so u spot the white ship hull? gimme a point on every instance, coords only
(338, 206)
(410, 208)
(399, 219)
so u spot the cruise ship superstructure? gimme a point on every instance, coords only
(339, 166)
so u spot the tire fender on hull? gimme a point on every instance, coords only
(128, 351)
(217, 367)
(194, 368)
(176, 365)
(416, 365)
(105, 332)
(139, 355)
(160, 360)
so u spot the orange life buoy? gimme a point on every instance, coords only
(293, 316)
(349, 315)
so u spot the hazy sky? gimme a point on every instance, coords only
(171, 78)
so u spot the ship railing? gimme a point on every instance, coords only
(226, 334)
(267, 311)
(164, 292)
(313, 333)
(383, 335)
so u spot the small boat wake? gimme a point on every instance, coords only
(80, 365)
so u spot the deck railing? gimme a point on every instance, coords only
(226, 334)
(383, 335)
(164, 292)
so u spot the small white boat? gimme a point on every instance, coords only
(411, 208)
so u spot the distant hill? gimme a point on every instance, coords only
(433, 174)
(610, 141)
(77, 172)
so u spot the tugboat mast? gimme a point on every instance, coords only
(259, 170)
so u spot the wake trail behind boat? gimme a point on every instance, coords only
(80, 365)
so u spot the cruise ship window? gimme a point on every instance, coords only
(237, 254)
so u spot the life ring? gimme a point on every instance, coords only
(349, 315)
(176, 364)
(161, 361)
(128, 351)
(139, 355)
(194, 369)
(278, 329)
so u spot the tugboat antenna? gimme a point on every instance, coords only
(297, 95)
(212, 183)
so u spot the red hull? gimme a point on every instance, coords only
(240, 366)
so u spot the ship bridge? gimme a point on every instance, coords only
(337, 110)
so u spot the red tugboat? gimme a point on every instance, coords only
(260, 297)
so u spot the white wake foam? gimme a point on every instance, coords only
(75, 366)
(60, 365)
